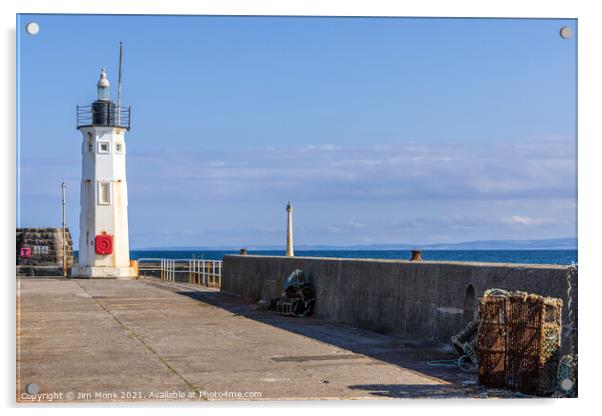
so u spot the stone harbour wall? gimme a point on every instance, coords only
(46, 255)
(428, 299)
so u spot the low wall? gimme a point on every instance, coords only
(46, 251)
(428, 299)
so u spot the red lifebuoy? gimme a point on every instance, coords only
(103, 244)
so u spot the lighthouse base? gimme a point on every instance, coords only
(104, 272)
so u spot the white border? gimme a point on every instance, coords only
(590, 207)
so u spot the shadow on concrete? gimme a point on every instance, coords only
(400, 391)
(409, 353)
(439, 391)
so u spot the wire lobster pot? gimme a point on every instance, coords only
(518, 341)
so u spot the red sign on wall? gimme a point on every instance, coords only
(103, 244)
(25, 252)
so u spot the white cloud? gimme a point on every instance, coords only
(317, 172)
(216, 163)
(324, 147)
(386, 193)
(525, 220)
(355, 224)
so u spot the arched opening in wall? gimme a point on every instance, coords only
(469, 305)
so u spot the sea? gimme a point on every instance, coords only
(564, 257)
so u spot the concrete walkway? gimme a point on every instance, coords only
(147, 340)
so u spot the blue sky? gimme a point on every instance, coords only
(379, 130)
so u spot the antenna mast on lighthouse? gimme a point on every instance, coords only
(119, 86)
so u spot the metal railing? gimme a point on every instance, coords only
(103, 115)
(148, 264)
(202, 272)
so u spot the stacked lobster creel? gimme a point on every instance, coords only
(298, 298)
(518, 341)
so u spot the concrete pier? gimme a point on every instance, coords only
(146, 340)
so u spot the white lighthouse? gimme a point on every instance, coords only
(104, 249)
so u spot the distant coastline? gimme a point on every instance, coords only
(541, 244)
(563, 257)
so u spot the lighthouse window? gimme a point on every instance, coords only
(103, 147)
(104, 193)
(118, 147)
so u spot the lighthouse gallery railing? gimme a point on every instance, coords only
(106, 115)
